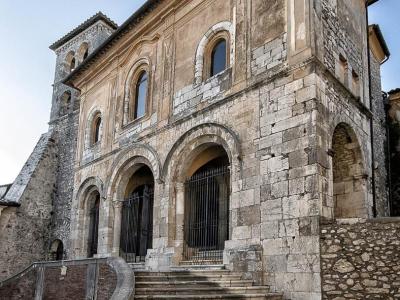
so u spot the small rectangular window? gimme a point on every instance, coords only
(355, 82)
(343, 70)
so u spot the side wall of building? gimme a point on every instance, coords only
(380, 124)
(24, 230)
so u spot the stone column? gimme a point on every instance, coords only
(179, 222)
(117, 227)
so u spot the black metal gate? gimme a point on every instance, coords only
(94, 227)
(206, 225)
(137, 224)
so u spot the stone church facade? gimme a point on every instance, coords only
(208, 133)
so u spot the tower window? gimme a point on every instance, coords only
(355, 83)
(86, 54)
(83, 52)
(141, 96)
(218, 58)
(96, 129)
(343, 69)
(70, 62)
(73, 63)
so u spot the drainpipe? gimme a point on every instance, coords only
(388, 154)
(374, 211)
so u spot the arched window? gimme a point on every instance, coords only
(218, 58)
(65, 101)
(83, 52)
(96, 129)
(140, 95)
(70, 62)
(72, 66)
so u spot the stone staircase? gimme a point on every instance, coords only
(198, 284)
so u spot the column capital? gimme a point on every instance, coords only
(117, 204)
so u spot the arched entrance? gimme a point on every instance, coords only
(94, 215)
(56, 250)
(137, 216)
(206, 206)
(349, 179)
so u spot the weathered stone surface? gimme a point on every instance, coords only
(366, 262)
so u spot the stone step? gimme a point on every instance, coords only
(194, 284)
(267, 296)
(183, 277)
(136, 267)
(194, 265)
(189, 271)
(202, 290)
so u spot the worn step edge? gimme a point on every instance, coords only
(199, 290)
(194, 277)
(265, 296)
(179, 284)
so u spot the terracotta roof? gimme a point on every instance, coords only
(89, 22)
(370, 2)
(395, 91)
(133, 20)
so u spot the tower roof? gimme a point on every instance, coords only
(89, 22)
(130, 23)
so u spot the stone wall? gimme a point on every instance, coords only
(65, 132)
(24, 230)
(269, 55)
(361, 259)
(380, 141)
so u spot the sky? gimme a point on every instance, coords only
(27, 64)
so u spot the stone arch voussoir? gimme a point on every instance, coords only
(136, 154)
(202, 134)
(199, 59)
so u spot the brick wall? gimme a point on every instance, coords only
(85, 279)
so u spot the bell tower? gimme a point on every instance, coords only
(71, 50)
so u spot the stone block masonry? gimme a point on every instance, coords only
(269, 55)
(361, 259)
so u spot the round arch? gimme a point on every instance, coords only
(201, 134)
(349, 176)
(84, 198)
(56, 250)
(135, 154)
(177, 169)
(126, 164)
